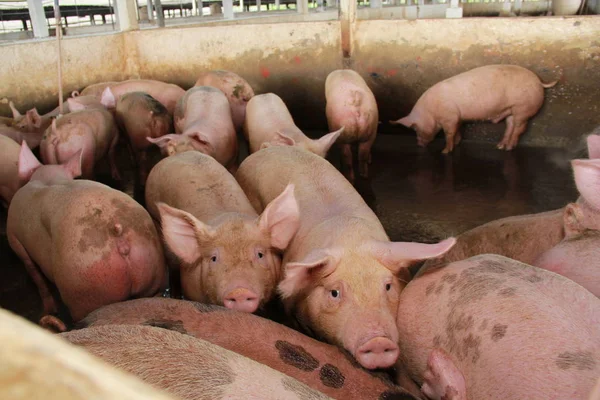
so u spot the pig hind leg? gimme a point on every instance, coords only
(36, 275)
(520, 127)
(364, 156)
(347, 168)
(442, 380)
(508, 133)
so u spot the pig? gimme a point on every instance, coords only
(490, 327)
(526, 237)
(595, 395)
(39, 365)
(489, 93)
(342, 275)
(203, 122)
(95, 89)
(268, 122)
(93, 131)
(9, 176)
(229, 255)
(141, 115)
(237, 90)
(351, 104)
(166, 93)
(321, 366)
(187, 367)
(96, 244)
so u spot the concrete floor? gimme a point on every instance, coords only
(419, 195)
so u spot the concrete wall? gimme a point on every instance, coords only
(399, 59)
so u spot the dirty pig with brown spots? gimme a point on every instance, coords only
(343, 276)
(229, 254)
(96, 244)
(321, 366)
(493, 328)
(187, 367)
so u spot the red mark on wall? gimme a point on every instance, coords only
(294, 80)
(418, 58)
(391, 72)
(264, 71)
(297, 60)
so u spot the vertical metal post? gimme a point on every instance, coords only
(38, 18)
(57, 19)
(150, 10)
(228, 9)
(347, 16)
(160, 17)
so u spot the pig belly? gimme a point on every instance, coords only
(513, 332)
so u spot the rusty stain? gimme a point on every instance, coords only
(264, 71)
(297, 60)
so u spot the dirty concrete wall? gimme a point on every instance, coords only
(399, 59)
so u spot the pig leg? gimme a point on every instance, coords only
(347, 169)
(442, 380)
(35, 274)
(451, 131)
(520, 127)
(510, 127)
(364, 156)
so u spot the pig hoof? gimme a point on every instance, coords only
(53, 324)
(442, 379)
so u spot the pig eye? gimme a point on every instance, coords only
(388, 287)
(260, 255)
(335, 294)
(213, 259)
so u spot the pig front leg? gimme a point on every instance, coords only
(442, 380)
(347, 168)
(452, 136)
(36, 275)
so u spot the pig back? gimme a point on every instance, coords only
(196, 183)
(513, 330)
(321, 366)
(187, 367)
(9, 171)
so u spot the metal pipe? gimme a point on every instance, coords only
(57, 19)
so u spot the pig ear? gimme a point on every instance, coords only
(182, 232)
(593, 144)
(587, 179)
(75, 105)
(108, 98)
(406, 121)
(299, 275)
(16, 114)
(281, 139)
(281, 218)
(27, 163)
(399, 255)
(573, 220)
(33, 118)
(199, 137)
(162, 141)
(325, 143)
(73, 164)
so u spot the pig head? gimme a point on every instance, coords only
(349, 295)
(233, 261)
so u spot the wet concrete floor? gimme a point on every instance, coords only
(418, 193)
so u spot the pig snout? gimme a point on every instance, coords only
(241, 299)
(377, 352)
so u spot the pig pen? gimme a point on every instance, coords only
(418, 193)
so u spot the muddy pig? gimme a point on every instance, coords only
(9, 175)
(187, 367)
(237, 90)
(203, 120)
(96, 244)
(93, 131)
(527, 237)
(140, 115)
(268, 122)
(351, 104)
(321, 366)
(230, 255)
(488, 93)
(490, 327)
(39, 365)
(343, 276)
(166, 93)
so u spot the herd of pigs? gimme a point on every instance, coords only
(507, 310)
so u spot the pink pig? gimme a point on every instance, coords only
(203, 121)
(9, 176)
(269, 122)
(488, 93)
(237, 90)
(351, 104)
(343, 276)
(96, 244)
(230, 255)
(93, 131)
(493, 328)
